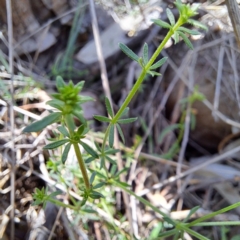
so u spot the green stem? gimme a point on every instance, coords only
(211, 215)
(142, 200)
(70, 125)
(144, 71)
(82, 165)
(103, 146)
(61, 204)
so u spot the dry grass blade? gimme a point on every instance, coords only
(10, 59)
(215, 159)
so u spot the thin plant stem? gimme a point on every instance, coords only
(144, 71)
(211, 215)
(82, 165)
(69, 122)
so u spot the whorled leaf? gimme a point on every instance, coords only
(158, 63)
(111, 136)
(60, 83)
(145, 54)
(92, 177)
(186, 40)
(170, 16)
(41, 124)
(65, 152)
(80, 130)
(120, 133)
(99, 185)
(63, 131)
(88, 149)
(129, 52)
(153, 73)
(56, 144)
(102, 118)
(197, 24)
(95, 195)
(192, 211)
(109, 107)
(189, 31)
(126, 120)
(175, 37)
(113, 170)
(112, 161)
(161, 23)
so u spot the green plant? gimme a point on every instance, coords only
(98, 167)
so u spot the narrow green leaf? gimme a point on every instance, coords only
(128, 52)
(65, 152)
(109, 107)
(101, 175)
(124, 184)
(79, 115)
(197, 24)
(102, 118)
(85, 131)
(113, 170)
(99, 185)
(158, 63)
(112, 161)
(96, 195)
(161, 23)
(122, 171)
(186, 40)
(192, 211)
(169, 220)
(111, 151)
(127, 120)
(170, 17)
(81, 129)
(80, 85)
(120, 133)
(97, 146)
(145, 54)
(59, 82)
(88, 210)
(111, 136)
(102, 162)
(88, 149)
(90, 159)
(140, 62)
(63, 131)
(92, 177)
(153, 73)
(84, 99)
(54, 194)
(189, 31)
(55, 103)
(41, 124)
(175, 37)
(56, 144)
